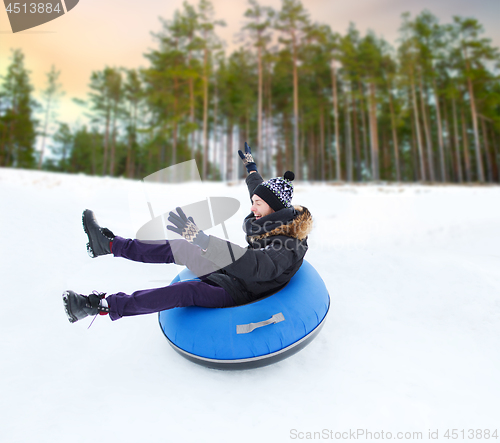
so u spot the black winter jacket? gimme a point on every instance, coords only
(277, 244)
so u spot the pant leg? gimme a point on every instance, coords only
(181, 294)
(178, 251)
(145, 252)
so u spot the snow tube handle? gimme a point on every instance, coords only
(245, 329)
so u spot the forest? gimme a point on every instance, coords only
(337, 107)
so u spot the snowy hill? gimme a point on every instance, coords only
(411, 344)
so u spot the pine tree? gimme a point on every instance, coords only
(64, 142)
(134, 94)
(389, 74)
(333, 47)
(50, 96)
(258, 27)
(475, 53)
(17, 124)
(292, 21)
(106, 99)
(408, 63)
(209, 43)
(371, 56)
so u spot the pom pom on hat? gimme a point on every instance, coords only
(289, 175)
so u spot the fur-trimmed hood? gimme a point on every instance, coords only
(295, 222)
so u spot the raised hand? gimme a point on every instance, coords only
(186, 227)
(248, 159)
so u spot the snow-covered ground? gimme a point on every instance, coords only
(411, 344)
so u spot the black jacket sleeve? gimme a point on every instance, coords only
(253, 180)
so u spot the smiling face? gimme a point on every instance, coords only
(259, 207)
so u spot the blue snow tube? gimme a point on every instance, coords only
(252, 335)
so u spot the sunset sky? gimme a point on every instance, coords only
(117, 33)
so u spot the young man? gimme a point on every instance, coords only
(276, 233)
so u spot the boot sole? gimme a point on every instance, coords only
(67, 308)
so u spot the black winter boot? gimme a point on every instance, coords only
(99, 238)
(79, 306)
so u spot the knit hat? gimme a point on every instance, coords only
(277, 192)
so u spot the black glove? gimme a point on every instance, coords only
(187, 228)
(248, 159)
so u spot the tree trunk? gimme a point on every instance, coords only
(286, 154)
(163, 152)
(222, 153)
(495, 154)
(128, 161)
(414, 147)
(174, 142)
(357, 150)
(394, 138)
(229, 150)
(260, 150)
(374, 133)
(385, 153)
(198, 143)
(302, 145)
(430, 156)
(366, 154)
(322, 143)
(205, 112)
(45, 126)
(150, 157)
(93, 143)
(489, 162)
(329, 145)
(3, 150)
(417, 131)
(270, 126)
(279, 151)
(348, 138)
(477, 146)
(64, 157)
(447, 143)
(458, 158)
(191, 113)
(247, 125)
(215, 132)
(174, 123)
(106, 141)
(440, 134)
(479, 160)
(241, 140)
(310, 162)
(113, 145)
(465, 142)
(13, 146)
(338, 175)
(134, 140)
(295, 108)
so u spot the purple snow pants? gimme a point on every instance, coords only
(181, 294)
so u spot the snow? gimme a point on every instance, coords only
(411, 344)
